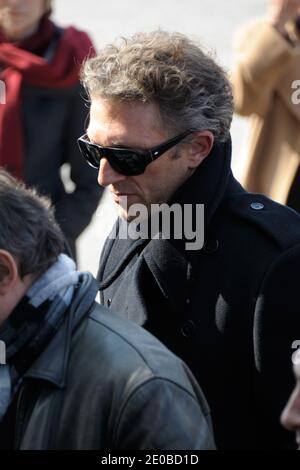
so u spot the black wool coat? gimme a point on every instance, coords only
(230, 310)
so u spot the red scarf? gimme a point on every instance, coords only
(21, 64)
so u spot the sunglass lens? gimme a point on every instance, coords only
(90, 153)
(128, 163)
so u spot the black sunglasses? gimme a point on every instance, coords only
(126, 161)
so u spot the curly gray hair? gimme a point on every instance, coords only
(192, 91)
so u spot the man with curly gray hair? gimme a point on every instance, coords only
(157, 86)
(161, 110)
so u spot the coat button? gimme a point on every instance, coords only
(188, 329)
(211, 246)
(257, 206)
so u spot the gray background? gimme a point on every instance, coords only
(210, 21)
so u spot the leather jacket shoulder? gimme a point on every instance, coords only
(105, 383)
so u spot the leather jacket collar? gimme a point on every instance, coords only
(52, 363)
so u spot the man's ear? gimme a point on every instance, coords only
(8, 271)
(199, 148)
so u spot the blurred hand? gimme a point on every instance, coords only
(283, 11)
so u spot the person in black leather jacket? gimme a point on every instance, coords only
(75, 376)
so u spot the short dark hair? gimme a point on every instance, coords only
(28, 230)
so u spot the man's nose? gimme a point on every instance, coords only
(290, 417)
(107, 175)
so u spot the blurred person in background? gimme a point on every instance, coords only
(267, 65)
(44, 111)
(290, 417)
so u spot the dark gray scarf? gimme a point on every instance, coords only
(33, 323)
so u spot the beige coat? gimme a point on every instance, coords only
(266, 66)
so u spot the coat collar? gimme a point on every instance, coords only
(168, 260)
(52, 364)
(208, 184)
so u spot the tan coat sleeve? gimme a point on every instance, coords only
(262, 58)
